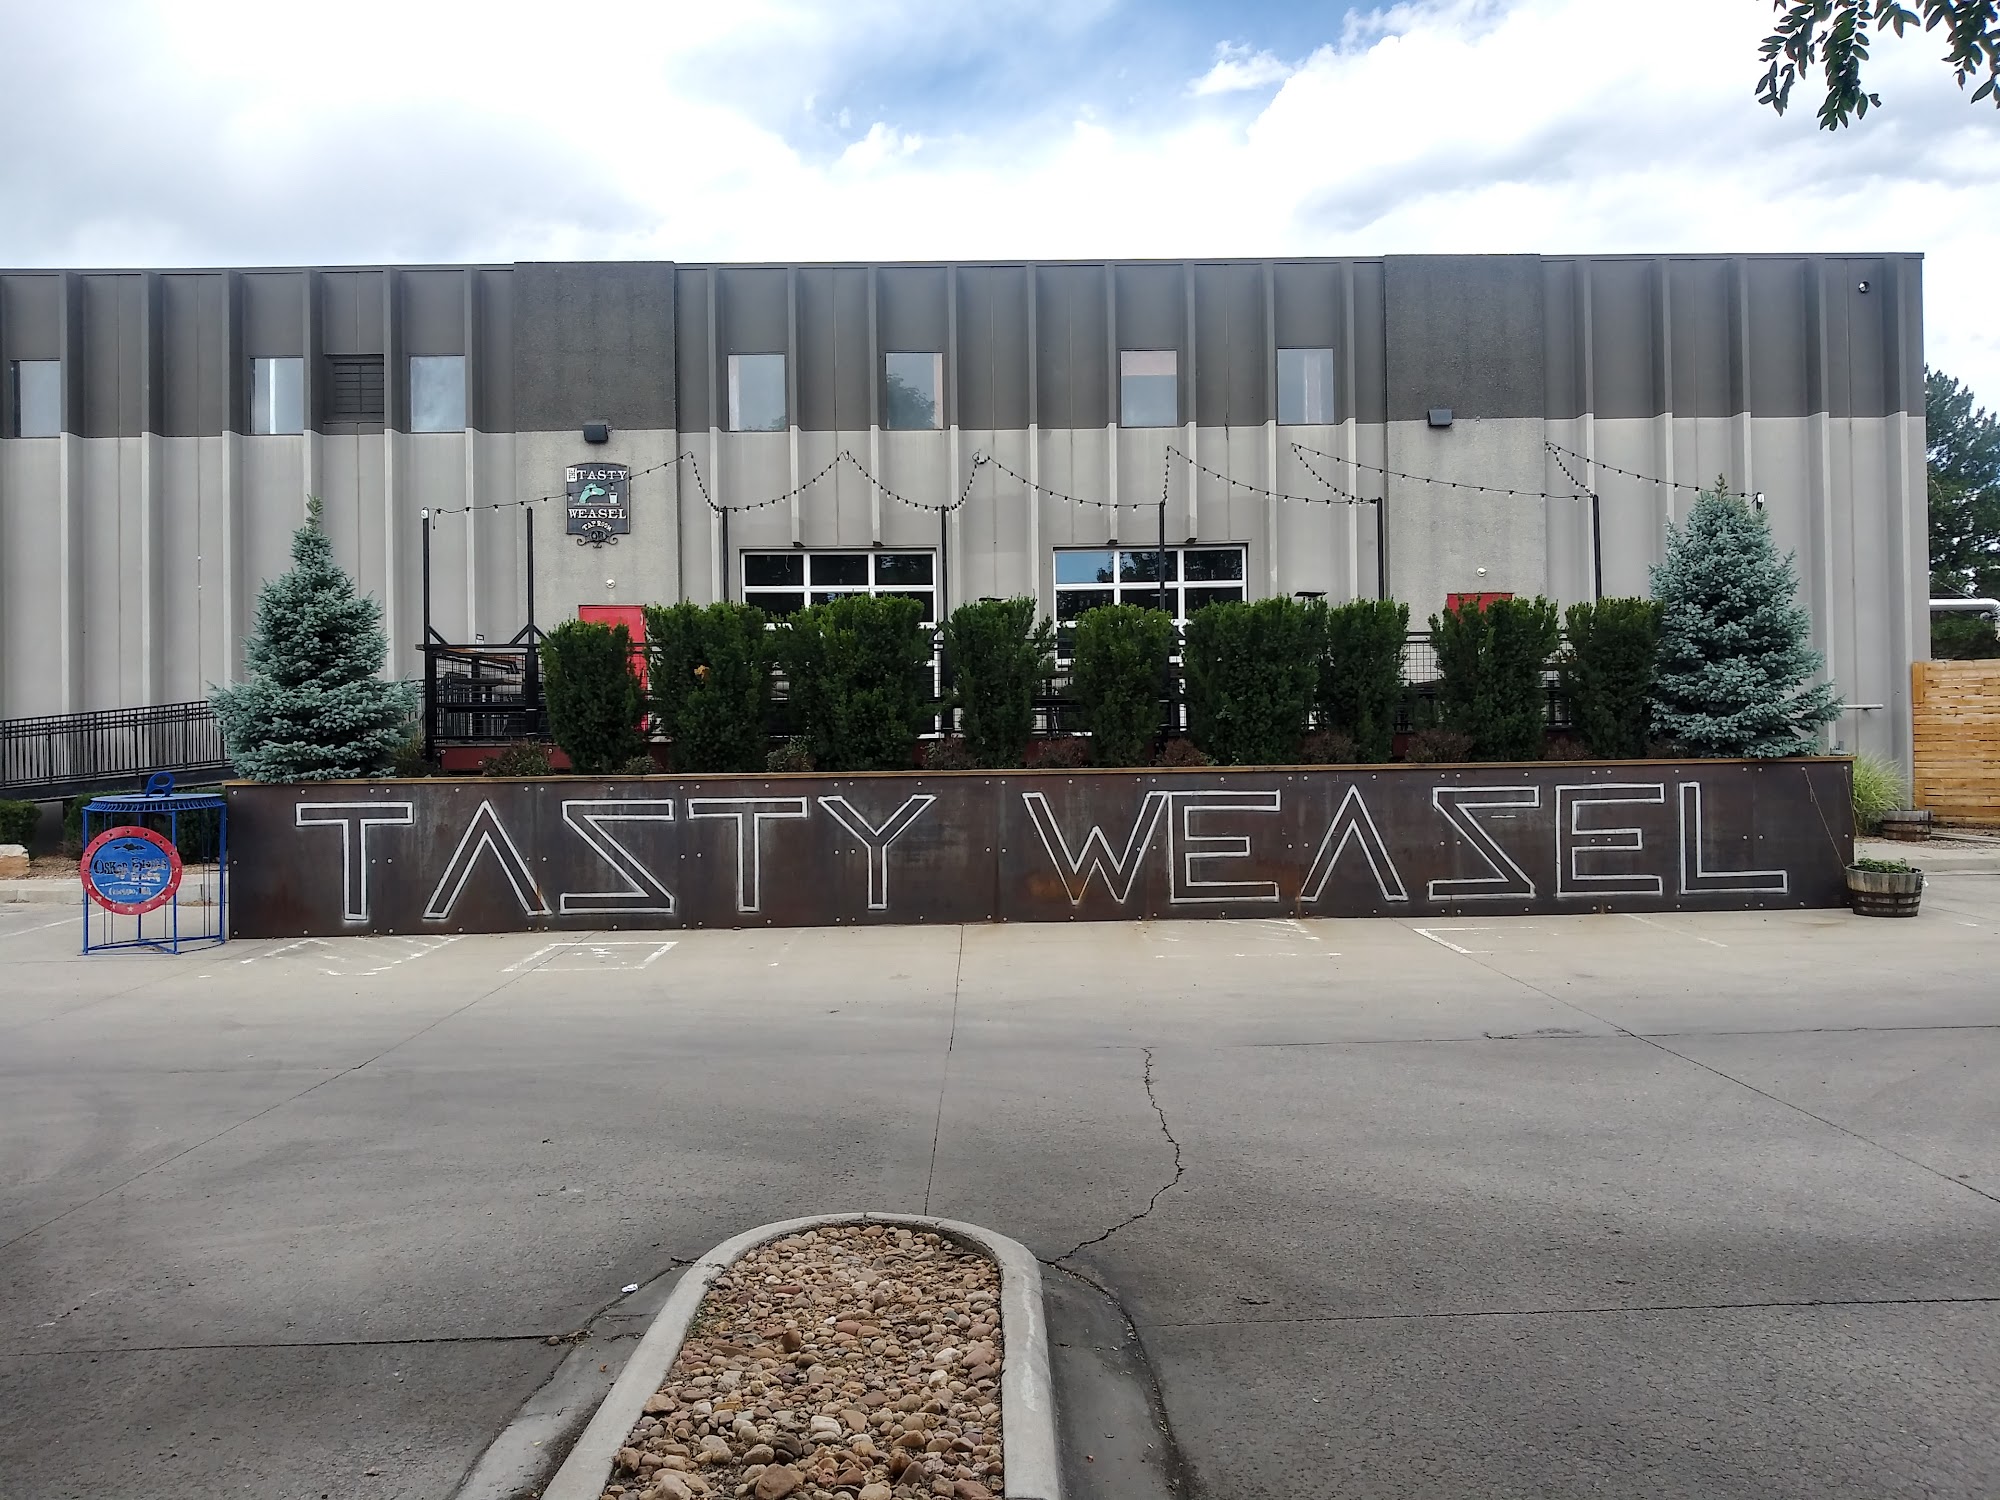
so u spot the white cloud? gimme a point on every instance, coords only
(1238, 69)
(676, 130)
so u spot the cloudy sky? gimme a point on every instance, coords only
(205, 132)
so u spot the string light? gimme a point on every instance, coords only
(1558, 449)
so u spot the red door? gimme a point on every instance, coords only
(632, 617)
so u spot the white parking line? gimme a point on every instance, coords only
(1432, 934)
(543, 959)
(1675, 930)
(43, 927)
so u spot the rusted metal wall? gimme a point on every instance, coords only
(1025, 846)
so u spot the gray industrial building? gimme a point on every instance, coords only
(1424, 425)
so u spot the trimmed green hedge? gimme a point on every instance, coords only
(1361, 673)
(1607, 674)
(1490, 665)
(1117, 676)
(17, 822)
(1250, 670)
(593, 695)
(708, 684)
(859, 670)
(999, 652)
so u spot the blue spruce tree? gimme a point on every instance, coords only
(1737, 672)
(311, 707)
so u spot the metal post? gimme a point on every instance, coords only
(528, 523)
(1596, 550)
(430, 656)
(1160, 580)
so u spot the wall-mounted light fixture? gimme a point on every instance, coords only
(597, 432)
(1440, 416)
(1861, 286)
(1758, 499)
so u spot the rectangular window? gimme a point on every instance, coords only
(781, 583)
(1149, 388)
(913, 394)
(756, 393)
(354, 390)
(1305, 387)
(277, 396)
(1089, 577)
(437, 393)
(37, 397)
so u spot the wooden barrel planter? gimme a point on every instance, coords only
(1907, 825)
(1884, 893)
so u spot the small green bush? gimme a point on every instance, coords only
(639, 765)
(1963, 637)
(1182, 753)
(1000, 651)
(521, 758)
(593, 695)
(859, 670)
(1250, 670)
(17, 822)
(1607, 673)
(1062, 752)
(407, 759)
(1490, 675)
(951, 753)
(1886, 866)
(708, 684)
(1438, 746)
(791, 754)
(1328, 747)
(1117, 680)
(1878, 788)
(1360, 683)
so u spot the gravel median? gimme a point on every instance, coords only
(854, 1363)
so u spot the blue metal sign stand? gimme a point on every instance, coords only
(133, 869)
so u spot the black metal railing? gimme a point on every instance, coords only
(59, 755)
(483, 695)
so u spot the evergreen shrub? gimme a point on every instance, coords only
(521, 758)
(1117, 677)
(1606, 668)
(1438, 746)
(1360, 683)
(1183, 753)
(17, 822)
(1491, 663)
(859, 670)
(1737, 674)
(1000, 652)
(1329, 747)
(1250, 670)
(708, 684)
(593, 695)
(1963, 637)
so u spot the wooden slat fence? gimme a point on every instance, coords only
(1957, 721)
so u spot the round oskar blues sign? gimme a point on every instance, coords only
(131, 870)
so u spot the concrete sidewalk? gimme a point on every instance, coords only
(1691, 1206)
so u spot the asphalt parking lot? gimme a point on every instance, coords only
(1676, 1206)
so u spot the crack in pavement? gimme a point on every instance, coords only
(944, 1079)
(1180, 1170)
(1583, 1312)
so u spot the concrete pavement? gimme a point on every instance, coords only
(1701, 1206)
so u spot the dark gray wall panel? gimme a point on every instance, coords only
(114, 390)
(1152, 308)
(31, 315)
(433, 312)
(993, 347)
(595, 342)
(911, 310)
(1699, 342)
(274, 315)
(193, 356)
(833, 348)
(751, 311)
(1231, 359)
(496, 351)
(1308, 299)
(1072, 375)
(1562, 374)
(1779, 347)
(1622, 338)
(1465, 332)
(695, 360)
(350, 312)
(1861, 380)
(1370, 400)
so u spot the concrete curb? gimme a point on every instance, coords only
(1027, 1397)
(42, 890)
(1933, 859)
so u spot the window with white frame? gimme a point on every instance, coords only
(1149, 388)
(782, 583)
(37, 387)
(757, 393)
(437, 393)
(1087, 577)
(277, 396)
(913, 391)
(1305, 387)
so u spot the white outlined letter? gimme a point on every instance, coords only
(751, 814)
(354, 819)
(1119, 870)
(1508, 882)
(482, 834)
(1185, 846)
(1696, 879)
(1353, 821)
(876, 841)
(1572, 883)
(644, 891)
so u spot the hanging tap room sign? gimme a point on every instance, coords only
(576, 853)
(600, 501)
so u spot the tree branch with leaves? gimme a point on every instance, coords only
(1833, 37)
